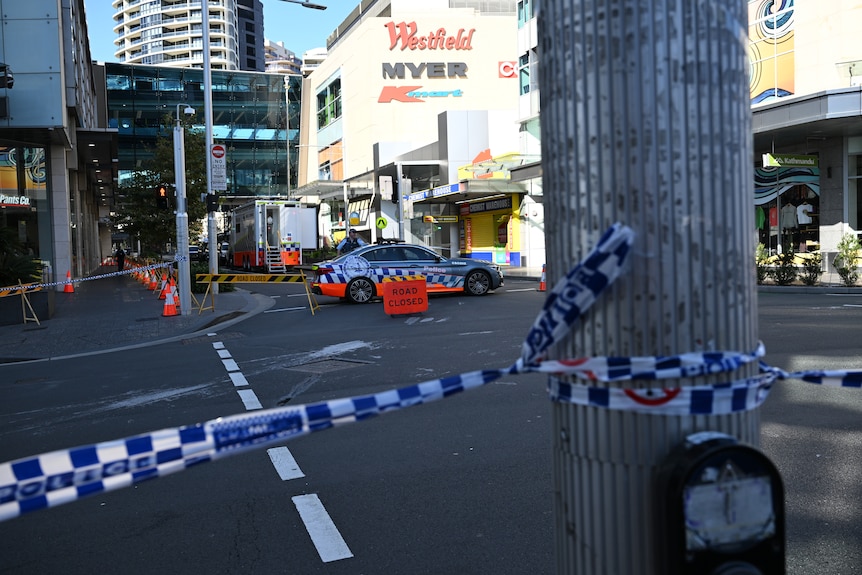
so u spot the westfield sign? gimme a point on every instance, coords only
(407, 34)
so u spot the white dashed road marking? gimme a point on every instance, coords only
(284, 463)
(325, 536)
(323, 532)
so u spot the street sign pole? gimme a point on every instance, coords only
(212, 228)
(646, 121)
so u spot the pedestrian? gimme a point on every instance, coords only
(121, 258)
(350, 243)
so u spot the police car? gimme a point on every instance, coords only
(358, 275)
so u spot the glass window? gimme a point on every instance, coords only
(329, 104)
(524, 73)
(415, 254)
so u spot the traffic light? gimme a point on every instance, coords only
(162, 197)
(212, 202)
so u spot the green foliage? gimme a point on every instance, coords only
(319, 255)
(847, 260)
(761, 263)
(15, 263)
(137, 214)
(204, 268)
(811, 269)
(785, 270)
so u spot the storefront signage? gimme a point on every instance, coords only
(410, 39)
(435, 192)
(789, 161)
(430, 69)
(413, 94)
(22, 201)
(508, 69)
(440, 219)
(445, 190)
(487, 206)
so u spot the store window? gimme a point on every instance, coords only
(854, 188)
(24, 198)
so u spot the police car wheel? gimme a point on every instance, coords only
(360, 290)
(477, 283)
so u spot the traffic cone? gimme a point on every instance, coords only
(175, 291)
(170, 308)
(166, 286)
(542, 285)
(160, 290)
(153, 283)
(69, 288)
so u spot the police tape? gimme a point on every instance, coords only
(58, 477)
(90, 278)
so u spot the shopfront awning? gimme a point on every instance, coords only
(486, 167)
(467, 190)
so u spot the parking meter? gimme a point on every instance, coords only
(720, 509)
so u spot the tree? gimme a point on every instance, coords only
(15, 264)
(137, 213)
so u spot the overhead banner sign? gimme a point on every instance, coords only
(789, 161)
(218, 168)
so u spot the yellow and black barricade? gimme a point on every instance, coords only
(210, 279)
(23, 290)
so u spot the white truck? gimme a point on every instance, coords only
(271, 234)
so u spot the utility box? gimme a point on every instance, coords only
(720, 509)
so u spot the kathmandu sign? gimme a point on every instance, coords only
(789, 161)
(410, 39)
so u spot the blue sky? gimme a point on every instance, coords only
(299, 28)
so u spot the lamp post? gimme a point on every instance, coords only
(307, 4)
(183, 268)
(212, 230)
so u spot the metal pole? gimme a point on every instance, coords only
(212, 228)
(183, 269)
(645, 120)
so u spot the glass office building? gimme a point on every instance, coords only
(255, 116)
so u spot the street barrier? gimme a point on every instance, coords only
(210, 279)
(23, 290)
(404, 295)
(51, 479)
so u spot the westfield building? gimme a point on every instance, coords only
(410, 127)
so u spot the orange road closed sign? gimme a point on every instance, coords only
(404, 295)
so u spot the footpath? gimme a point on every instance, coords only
(117, 312)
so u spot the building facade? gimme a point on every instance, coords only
(280, 60)
(806, 71)
(57, 153)
(249, 23)
(411, 122)
(170, 33)
(255, 116)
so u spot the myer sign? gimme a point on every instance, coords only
(789, 161)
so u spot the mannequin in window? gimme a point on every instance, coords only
(788, 217)
(803, 213)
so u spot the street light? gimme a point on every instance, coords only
(307, 4)
(183, 268)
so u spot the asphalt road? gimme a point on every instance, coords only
(457, 486)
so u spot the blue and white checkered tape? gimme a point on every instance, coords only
(62, 476)
(96, 277)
